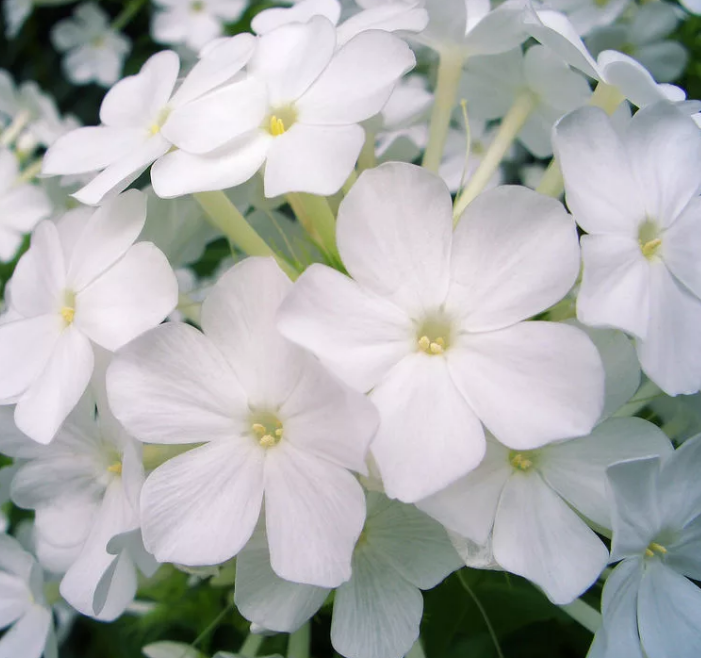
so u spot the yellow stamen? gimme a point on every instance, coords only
(436, 348)
(649, 553)
(267, 441)
(277, 126)
(259, 430)
(657, 548)
(115, 468)
(521, 462)
(424, 343)
(154, 129)
(650, 248)
(67, 313)
(278, 432)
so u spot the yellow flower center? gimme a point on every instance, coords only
(266, 428)
(434, 335)
(67, 311)
(649, 239)
(521, 461)
(280, 120)
(655, 548)
(115, 468)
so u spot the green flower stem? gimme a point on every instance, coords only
(367, 159)
(316, 217)
(228, 219)
(30, 172)
(510, 126)
(300, 642)
(251, 646)
(583, 614)
(125, 17)
(606, 97)
(449, 73)
(416, 651)
(13, 131)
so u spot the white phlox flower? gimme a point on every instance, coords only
(297, 113)
(84, 488)
(274, 425)
(643, 37)
(586, 15)
(83, 281)
(616, 69)
(193, 22)
(376, 614)
(636, 194)
(23, 608)
(22, 206)
(94, 52)
(693, 6)
(432, 324)
(134, 114)
(650, 608)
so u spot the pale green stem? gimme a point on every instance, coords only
(416, 651)
(30, 172)
(316, 217)
(13, 131)
(300, 642)
(510, 126)
(606, 97)
(449, 72)
(647, 392)
(123, 19)
(189, 308)
(583, 614)
(251, 645)
(225, 216)
(367, 159)
(352, 179)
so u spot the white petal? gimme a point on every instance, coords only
(15, 600)
(209, 122)
(602, 191)
(352, 88)
(105, 238)
(428, 436)
(394, 235)
(14, 559)
(577, 469)
(669, 613)
(312, 159)
(468, 506)
(681, 244)
(358, 335)
(27, 638)
(669, 353)
(134, 295)
(266, 599)
(173, 386)
(664, 147)
(238, 317)
(377, 614)
(269, 19)
(536, 535)
(413, 544)
(389, 17)
(515, 253)
(531, 383)
(314, 513)
(44, 406)
(498, 31)
(200, 508)
(680, 496)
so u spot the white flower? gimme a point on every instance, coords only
(22, 206)
(273, 423)
(585, 15)
(16, 13)
(693, 6)
(636, 195)
(377, 612)
(297, 113)
(492, 83)
(649, 607)
(22, 605)
(81, 282)
(432, 324)
(629, 76)
(644, 39)
(133, 115)
(93, 51)
(193, 22)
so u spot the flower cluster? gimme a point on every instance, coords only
(398, 370)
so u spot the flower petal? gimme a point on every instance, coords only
(314, 513)
(531, 383)
(428, 436)
(28, 637)
(201, 507)
(515, 253)
(537, 536)
(681, 245)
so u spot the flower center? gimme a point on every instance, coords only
(434, 335)
(655, 548)
(67, 311)
(649, 239)
(521, 461)
(161, 117)
(197, 6)
(115, 468)
(266, 428)
(280, 120)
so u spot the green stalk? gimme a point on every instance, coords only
(315, 215)
(583, 614)
(125, 17)
(300, 642)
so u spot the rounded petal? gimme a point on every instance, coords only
(314, 513)
(377, 614)
(532, 383)
(16, 600)
(28, 637)
(312, 159)
(270, 19)
(602, 191)
(681, 244)
(173, 386)
(134, 295)
(394, 235)
(428, 436)
(200, 508)
(515, 253)
(537, 536)
(356, 334)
